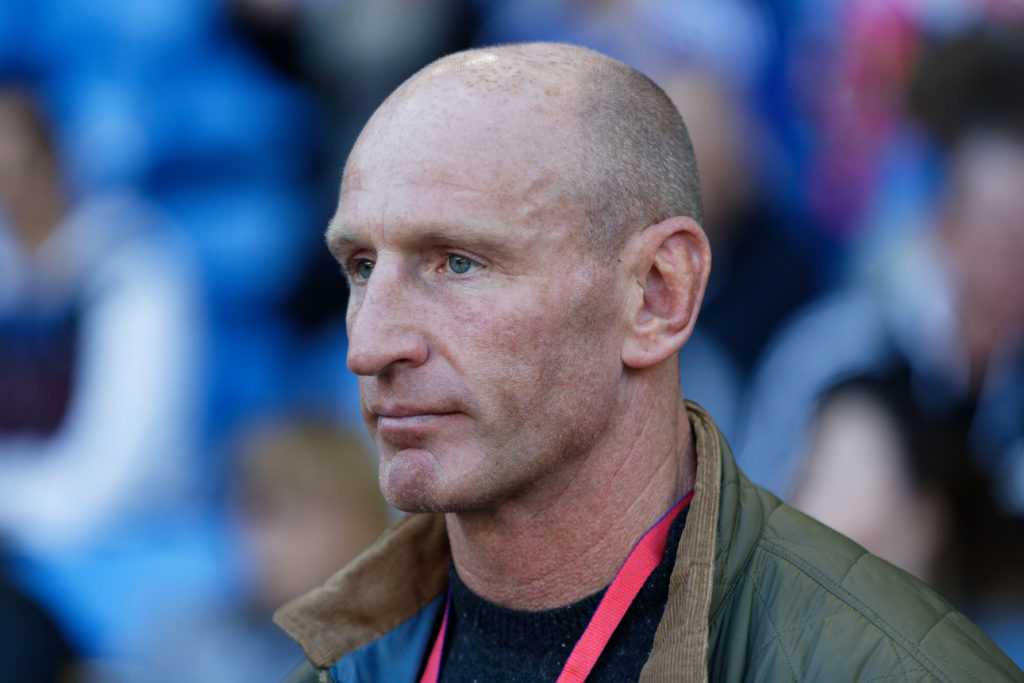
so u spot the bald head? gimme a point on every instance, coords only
(513, 224)
(610, 150)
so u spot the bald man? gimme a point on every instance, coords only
(520, 231)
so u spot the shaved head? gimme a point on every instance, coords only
(613, 152)
(517, 228)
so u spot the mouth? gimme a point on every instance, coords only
(409, 421)
(415, 431)
(398, 412)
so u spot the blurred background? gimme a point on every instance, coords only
(180, 442)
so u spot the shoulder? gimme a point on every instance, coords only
(810, 604)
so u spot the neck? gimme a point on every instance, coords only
(552, 549)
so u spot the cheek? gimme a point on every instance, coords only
(545, 358)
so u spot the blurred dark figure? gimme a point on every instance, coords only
(969, 92)
(944, 297)
(899, 479)
(33, 649)
(306, 501)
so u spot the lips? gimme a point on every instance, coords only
(411, 415)
(410, 427)
(403, 412)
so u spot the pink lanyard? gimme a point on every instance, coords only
(613, 606)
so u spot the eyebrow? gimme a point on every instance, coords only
(339, 239)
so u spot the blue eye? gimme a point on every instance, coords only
(460, 265)
(364, 268)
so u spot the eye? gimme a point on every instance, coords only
(460, 265)
(363, 268)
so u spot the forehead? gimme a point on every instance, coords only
(448, 149)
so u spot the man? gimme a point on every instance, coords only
(519, 229)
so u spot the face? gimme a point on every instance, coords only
(987, 238)
(28, 177)
(486, 335)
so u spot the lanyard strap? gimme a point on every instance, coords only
(432, 672)
(623, 589)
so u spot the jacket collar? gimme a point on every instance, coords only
(382, 588)
(408, 567)
(681, 642)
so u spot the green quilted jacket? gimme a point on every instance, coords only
(760, 592)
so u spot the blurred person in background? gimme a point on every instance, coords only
(100, 327)
(98, 331)
(898, 478)
(305, 501)
(940, 290)
(308, 502)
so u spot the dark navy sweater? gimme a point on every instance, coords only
(486, 642)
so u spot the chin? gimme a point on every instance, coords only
(415, 494)
(412, 480)
(408, 484)
(408, 501)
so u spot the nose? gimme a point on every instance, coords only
(384, 324)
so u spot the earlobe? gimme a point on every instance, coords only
(673, 268)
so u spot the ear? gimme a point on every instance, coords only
(671, 269)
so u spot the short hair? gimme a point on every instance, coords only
(970, 80)
(636, 159)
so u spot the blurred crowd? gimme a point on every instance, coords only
(181, 447)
